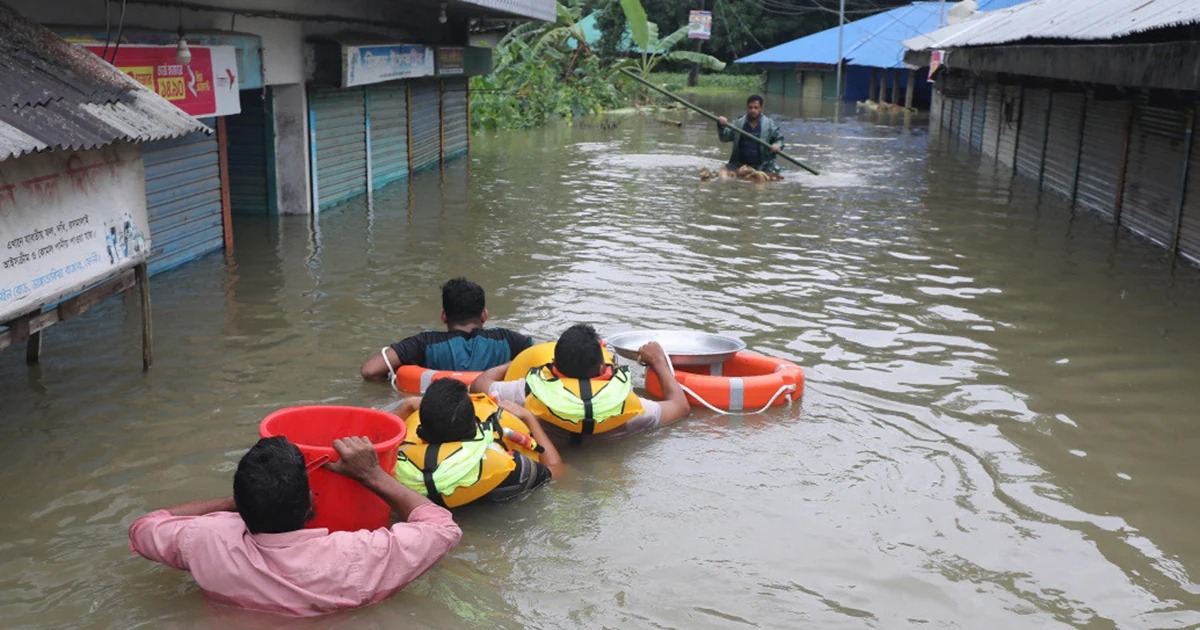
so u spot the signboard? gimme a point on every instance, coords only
(935, 62)
(206, 86)
(69, 220)
(375, 64)
(449, 61)
(699, 24)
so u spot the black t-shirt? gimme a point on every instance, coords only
(473, 351)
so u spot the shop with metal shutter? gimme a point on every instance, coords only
(1031, 142)
(387, 115)
(1189, 221)
(183, 199)
(454, 118)
(978, 114)
(1154, 171)
(991, 122)
(338, 140)
(1009, 124)
(425, 124)
(1062, 143)
(249, 152)
(1102, 156)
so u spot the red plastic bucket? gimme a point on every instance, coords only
(340, 503)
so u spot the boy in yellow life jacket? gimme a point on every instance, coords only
(579, 394)
(458, 450)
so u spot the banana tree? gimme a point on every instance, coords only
(653, 50)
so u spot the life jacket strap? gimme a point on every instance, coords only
(431, 464)
(588, 424)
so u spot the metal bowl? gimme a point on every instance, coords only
(685, 347)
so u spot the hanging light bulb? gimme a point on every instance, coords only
(182, 54)
(442, 14)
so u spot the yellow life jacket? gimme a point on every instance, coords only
(538, 355)
(582, 406)
(456, 473)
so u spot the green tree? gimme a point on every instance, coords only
(654, 50)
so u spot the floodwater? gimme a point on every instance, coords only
(999, 428)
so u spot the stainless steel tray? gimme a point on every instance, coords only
(685, 347)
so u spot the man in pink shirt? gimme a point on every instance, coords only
(251, 550)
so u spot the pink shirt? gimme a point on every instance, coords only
(306, 572)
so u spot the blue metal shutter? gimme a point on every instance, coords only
(1010, 113)
(248, 155)
(978, 114)
(1062, 143)
(962, 118)
(426, 131)
(387, 109)
(1103, 156)
(454, 118)
(1154, 172)
(183, 198)
(1031, 143)
(1189, 224)
(991, 123)
(338, 128)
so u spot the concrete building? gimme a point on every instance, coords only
(314, 102)
(1094, 99)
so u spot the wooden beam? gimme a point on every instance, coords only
(226, 204)
(25, 326)
(143, 280)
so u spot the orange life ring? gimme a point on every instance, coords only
(414, 379)
(747, 381)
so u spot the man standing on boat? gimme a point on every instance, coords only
(747, 152)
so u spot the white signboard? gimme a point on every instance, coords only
(225, 80)
(376, 64)
(69, 220)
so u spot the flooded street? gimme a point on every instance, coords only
(999, 426)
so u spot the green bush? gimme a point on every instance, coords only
(714, 81)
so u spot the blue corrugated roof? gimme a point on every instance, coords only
(875, 41)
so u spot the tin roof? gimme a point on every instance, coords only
(875, 41)
(54, 95)
(1081, 20)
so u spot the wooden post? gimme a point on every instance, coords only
(1183, 181)
(143, 280)
(33, 349)
(908, 90)
(882, 85)
(895, 86)
(872, 87)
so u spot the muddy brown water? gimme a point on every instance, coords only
(999, 428)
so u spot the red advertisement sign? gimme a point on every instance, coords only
(190, 87)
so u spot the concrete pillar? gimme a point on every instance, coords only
(292, 185)
(882, 86)
(908, 90)
(895, 86)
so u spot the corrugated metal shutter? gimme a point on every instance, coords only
(1154, 172)
(248, 154)
(387, 108)
(1102, 160)
(1189, 226)
(1033, 132)
(1010, 114)
(183, 199)
(936, 103)
(339, 133)
(1062, 143)
(814, 86)
(991, 123)
(978, 114)
(425, 120)
(454, 118)
(962, 118)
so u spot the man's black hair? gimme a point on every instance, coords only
(270, 487)
(754, 97)
(462, 300)
(577, 353)
(447, 414)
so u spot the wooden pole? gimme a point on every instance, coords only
(223, 165)
(908, 90)
(895, 86)
(33, 348)
(714, 118)
(143, 280)
(882, 85)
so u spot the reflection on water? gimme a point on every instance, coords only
(997, 430)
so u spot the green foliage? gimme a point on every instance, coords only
(543, 72)
(742, 83)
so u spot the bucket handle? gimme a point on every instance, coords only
(316, 463)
